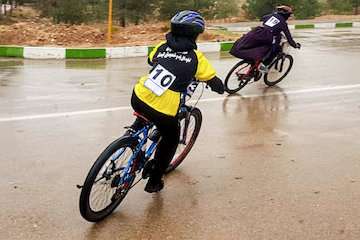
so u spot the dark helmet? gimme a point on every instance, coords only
(284, 10)
(187, 23)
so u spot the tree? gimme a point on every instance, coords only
(170, 7)
(126, 11)
(307, 9)
(224, 8)
(72, 11)
(136, 11)
(257, 8)
(340, 7)
(209, 8)
(356, 5)
(7, 6)
(303, 8)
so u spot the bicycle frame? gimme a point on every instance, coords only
(132, 166)
(252, 68)
(143, 135)
(184, 109)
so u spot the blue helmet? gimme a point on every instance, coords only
(187, 23)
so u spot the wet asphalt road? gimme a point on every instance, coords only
(271, 163)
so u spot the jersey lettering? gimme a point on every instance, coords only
(273, 21)
(160, 79)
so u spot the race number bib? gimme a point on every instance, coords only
(273, 21)
(159, 80)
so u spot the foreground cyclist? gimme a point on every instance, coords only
(175, 63)
(256, 44)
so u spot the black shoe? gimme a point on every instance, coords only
(154, 184)
(136, 126)
(258, 76)
(148, 169)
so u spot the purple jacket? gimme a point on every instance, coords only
(259, 42)
(277, 24)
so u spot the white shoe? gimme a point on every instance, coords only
(263, 68)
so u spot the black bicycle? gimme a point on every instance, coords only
(118, 167)
(245, 72)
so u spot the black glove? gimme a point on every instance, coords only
(216, 85)
(298, 45)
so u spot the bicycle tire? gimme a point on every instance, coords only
(179, 158)
(86, 210)
(273, 64)
(231, 73)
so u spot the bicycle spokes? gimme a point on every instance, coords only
(109, 179)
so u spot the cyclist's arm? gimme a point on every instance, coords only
(153, 52)
(288, 36)
(206, 73)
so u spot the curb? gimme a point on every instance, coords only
(94, 53)
(11, 51)
(138, 51)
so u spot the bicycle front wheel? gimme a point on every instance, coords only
(278, 70)
(238, 77)
(189, 131)
(107, 183)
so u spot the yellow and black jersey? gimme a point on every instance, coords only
(178, 69)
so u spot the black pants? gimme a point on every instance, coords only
(275, 50)
(169, 129)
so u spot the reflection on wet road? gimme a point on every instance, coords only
(269, 163)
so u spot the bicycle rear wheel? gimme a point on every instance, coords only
(103, 190)
(278, 70)
(238, 77)
(189, 131)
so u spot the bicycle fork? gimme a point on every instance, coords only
(183, 137)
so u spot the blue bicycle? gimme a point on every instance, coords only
(118, 167)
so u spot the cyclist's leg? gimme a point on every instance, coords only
(135, 126)
(170, 133)
(275, 50)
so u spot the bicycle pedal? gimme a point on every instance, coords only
(115, 181)
(129, 132)
(258, 76)
(119, 193)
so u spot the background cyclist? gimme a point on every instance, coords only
(263, 42)
(276, 23)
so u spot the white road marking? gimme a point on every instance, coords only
(64, 114)
(289, 92)
(114, 109)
